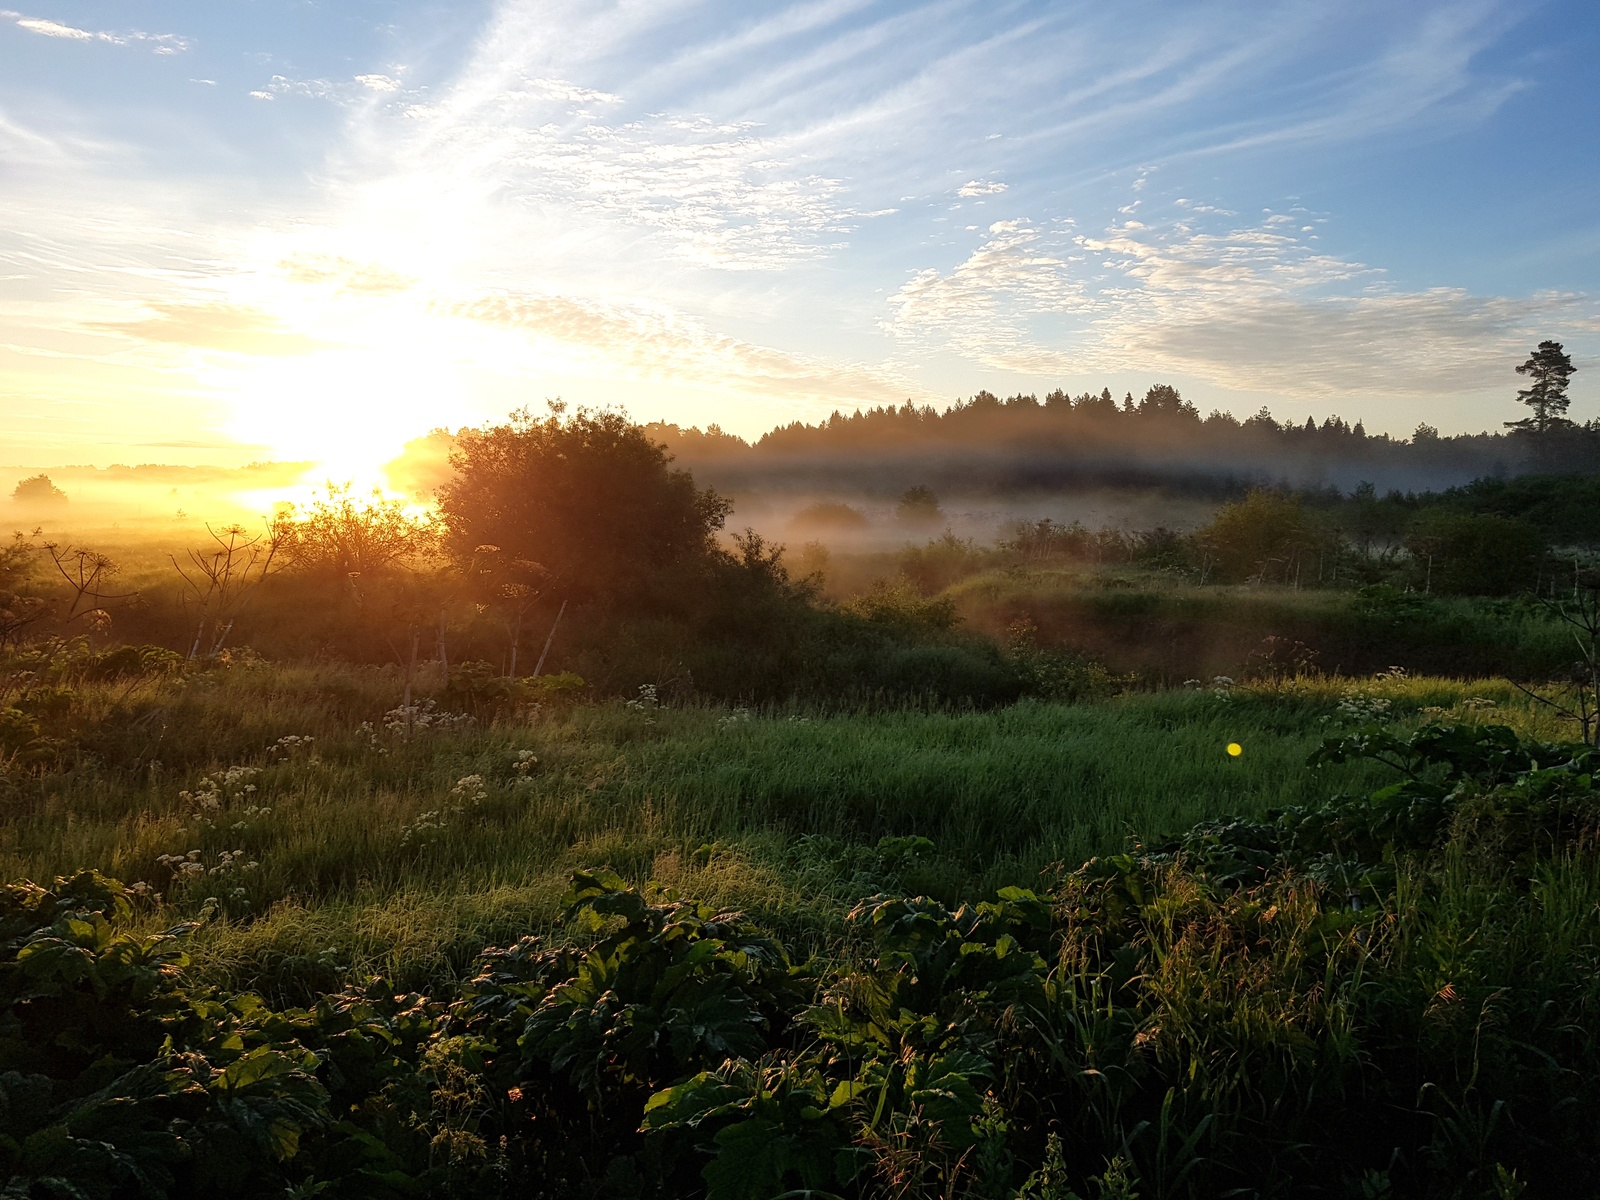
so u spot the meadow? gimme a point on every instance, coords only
(376, 848)
(337, 865)
(1087, 865)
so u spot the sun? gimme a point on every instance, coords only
(346, 412)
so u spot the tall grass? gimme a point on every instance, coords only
(372, 851)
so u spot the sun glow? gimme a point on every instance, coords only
(349, 409)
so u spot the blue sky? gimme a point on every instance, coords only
(315, 229)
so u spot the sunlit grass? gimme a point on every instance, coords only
(372, 856)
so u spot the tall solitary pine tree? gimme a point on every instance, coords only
(1549, 368)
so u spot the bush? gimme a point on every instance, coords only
(1265, 537)
(38, 489)
(943, 561)
(839, 518)
(589, 499)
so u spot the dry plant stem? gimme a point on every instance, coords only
(539, 666)
(88, 572)
(411, 673)
(444, 656)
(224, 582)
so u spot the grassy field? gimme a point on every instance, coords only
(368, 951)
(369, 847)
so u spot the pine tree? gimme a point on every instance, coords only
(1549, 368)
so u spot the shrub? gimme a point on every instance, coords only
(590, 498)
(830, 516)
(37, 489)
(1265, 537)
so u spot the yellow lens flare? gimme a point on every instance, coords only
(1234, 749)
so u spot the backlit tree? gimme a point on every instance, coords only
(1548, 368)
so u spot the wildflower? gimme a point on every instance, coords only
(645, 700)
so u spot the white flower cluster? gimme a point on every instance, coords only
(425, 717)
(1363, 707)
(286, 746)
(646, 700)
(217, 791)
(192, 866)
(1221, 686)
(524, 761)
(736, 717)
(470, 790)
(424, 828)
(468, 793)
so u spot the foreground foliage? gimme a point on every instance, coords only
(1393, 994)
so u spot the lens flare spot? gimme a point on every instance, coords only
(1234, 749)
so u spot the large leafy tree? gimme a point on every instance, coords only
(589, 498)
(1548, 369)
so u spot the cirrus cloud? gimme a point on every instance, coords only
(160, 43)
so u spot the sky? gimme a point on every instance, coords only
(313, 230)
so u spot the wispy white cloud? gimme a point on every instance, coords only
(984, 307)
(231, 328)
(719, 193)
(338, 91)
(160, 43)
(1253, 308)
(653, 343)
(979, 187)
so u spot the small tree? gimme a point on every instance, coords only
(590, 498)
(38, 489)
(1549, 368)
(1263, 537)
(1467, 554)
(348, 536)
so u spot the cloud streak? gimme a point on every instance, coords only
(1253, 308)
(661, 345)
(160, 43)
